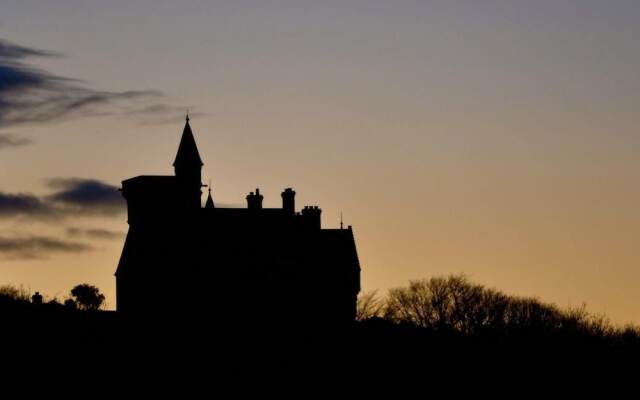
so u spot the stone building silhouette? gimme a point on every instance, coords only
(242, 263)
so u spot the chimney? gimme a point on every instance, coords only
(289, 201)
(311, 217)
(36, 299)
(254, 200)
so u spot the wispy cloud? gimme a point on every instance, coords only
(71, 197)
(23, 204)
(8, 140)
(86, 196)
(29, 247)
(32, 95)
(94, 233)
(159, 114)
(14, 51)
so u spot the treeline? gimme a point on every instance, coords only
(432, 330)
(40, 328)
(454, 305)
(83, 296)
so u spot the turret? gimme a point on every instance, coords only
(188, 168)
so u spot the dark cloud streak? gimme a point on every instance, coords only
(8, 140)
(28, 247)
(13, 51)
(86, 196)
(23, 204)
(31, 95)
(72, 197)
(94, 233)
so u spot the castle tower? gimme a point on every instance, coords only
(188, 168)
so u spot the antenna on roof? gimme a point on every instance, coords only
(341, 222)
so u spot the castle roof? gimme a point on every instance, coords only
(187, 151)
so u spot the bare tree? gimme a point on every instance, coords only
(437, 303)
(454, 304)
(369, 306)
(14, 293)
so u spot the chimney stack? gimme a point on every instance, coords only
(289, 201)
(311, 217)
(254, 200)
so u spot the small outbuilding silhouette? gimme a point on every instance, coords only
(36, 298)
(245, 263)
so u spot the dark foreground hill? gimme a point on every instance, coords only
(440, 333)
(103, 345)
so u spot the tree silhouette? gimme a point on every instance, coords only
(70, 304)
(369, 306)
(455, 304)
(87, 297)
(13, 293)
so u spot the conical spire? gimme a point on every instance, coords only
(209, 203)
(187, 151)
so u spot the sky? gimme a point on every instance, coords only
(497, 139)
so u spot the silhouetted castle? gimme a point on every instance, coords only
(250, 263)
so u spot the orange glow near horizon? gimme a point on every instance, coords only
(497, 142)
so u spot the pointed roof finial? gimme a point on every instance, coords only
(209, 204)
(187, 117)
(187, 150)
(341, 222)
